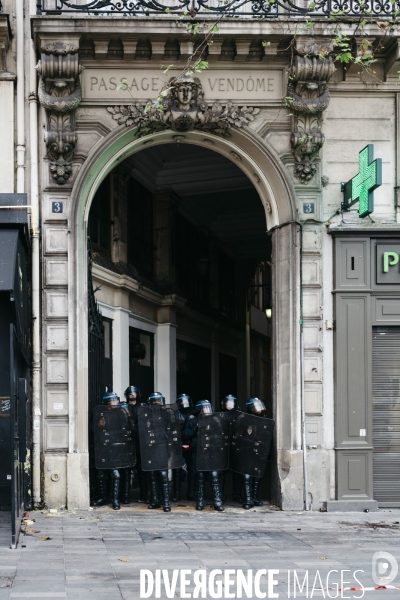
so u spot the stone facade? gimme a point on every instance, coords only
(294, 155)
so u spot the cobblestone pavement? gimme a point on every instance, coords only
(99, 553)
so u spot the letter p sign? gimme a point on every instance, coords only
(389, 260)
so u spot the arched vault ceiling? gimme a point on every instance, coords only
(213, 193)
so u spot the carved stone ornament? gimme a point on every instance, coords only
(308, 96)
(182, 109)
(60, 94)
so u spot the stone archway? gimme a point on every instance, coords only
(262, 166)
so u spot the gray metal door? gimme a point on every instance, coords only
(386, 414)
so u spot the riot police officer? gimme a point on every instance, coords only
(185, 412)
(111, 399)
(254, 406)
(229, 403)
(190, 433)
(133, 398)
(158, 477)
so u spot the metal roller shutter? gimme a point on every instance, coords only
(386, 414)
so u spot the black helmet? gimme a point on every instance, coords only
(184, 402)
(156, 399)
(229, 403)
(111, 399)
(132, 392)
(255, 406)
(204, 407)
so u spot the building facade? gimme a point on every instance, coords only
(208, 210)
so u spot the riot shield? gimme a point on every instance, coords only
(175, 458)
(213, 442)
(251, 439)
(113, 437)
(159, 438)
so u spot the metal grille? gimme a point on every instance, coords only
(258, 9)
(96, 365)
(386, 414)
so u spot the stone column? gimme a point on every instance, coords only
(119, 180)
(164, 202)
(165, 361)
(289, 482)
(120, 338)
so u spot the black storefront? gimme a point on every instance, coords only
(15, 358)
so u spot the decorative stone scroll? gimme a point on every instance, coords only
(60, 94)
(308, 96)
(182, 109)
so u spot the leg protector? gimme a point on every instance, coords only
(222, 478)
(127, 486)
(102, 489)
(216, 490)
(155, 501)
(176, 485)
(247, 492)
(256, 501)
(163, 476)
(200, 491)
(115, 479)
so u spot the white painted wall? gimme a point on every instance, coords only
(7, 137)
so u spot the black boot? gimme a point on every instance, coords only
(101, 486)
(256, 501)
(247, 492)
(200, 492)
(165, 491)
(176, 485)
(127, 486)
(115, 478)
(216, 490)
(155, 502)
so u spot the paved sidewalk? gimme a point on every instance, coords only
(98, 554)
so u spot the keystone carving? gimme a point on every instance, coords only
(307, 97)
(60, 94)
(182, 109)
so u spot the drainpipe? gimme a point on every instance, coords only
(19, 11)
(36, 317)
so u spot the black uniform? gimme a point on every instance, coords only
(158, 479)
(185, 410)
(133, 397)
(190, 434)
(254, 406)
(111, 400)
(230, 404)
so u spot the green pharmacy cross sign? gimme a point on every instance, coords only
(361, 187)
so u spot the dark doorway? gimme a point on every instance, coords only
(227, 375)
(193, 374)
(141, 361)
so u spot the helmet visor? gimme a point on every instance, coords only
(258, 406)
(206, 409)
(156, 401)
(229, 404)
(184, 403)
